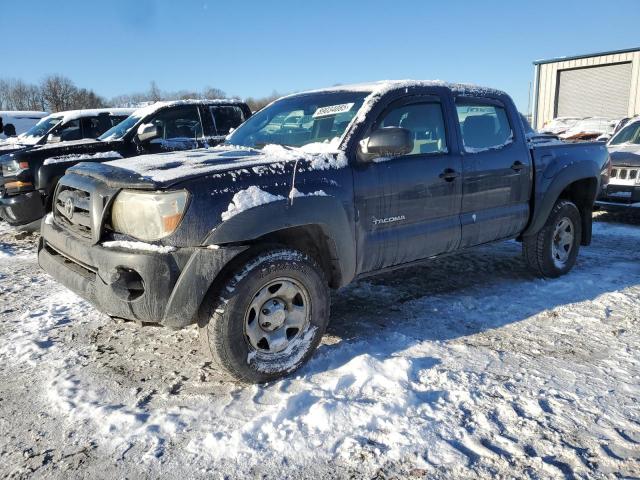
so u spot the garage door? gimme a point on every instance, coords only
(594, 91)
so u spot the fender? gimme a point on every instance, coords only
(48, 175)
(328, 213)
(548, 191)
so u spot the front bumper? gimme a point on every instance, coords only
(164, 288)
(618, 197)
(22, 208)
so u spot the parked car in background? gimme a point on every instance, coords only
(619, 125)
(246, 239)
(589, 129)
(559, 125)
(66, 126)
(13, 123)
(29, 176)
(622, 188)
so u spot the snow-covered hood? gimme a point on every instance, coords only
(166, 169)
(70, 150)
(12, 147)
(625, 155)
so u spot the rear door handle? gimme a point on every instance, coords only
(449, 174)
(517, 166)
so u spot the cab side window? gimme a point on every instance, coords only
(226, 117)
(93, 127)
(483, 126)
(69, 131)
(179, 124)
(425, 121)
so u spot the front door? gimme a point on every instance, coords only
(180, 129)
(408, 206)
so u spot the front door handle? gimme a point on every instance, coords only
(449, 175)
(517, 166)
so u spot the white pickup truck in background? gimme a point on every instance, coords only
(14, 123)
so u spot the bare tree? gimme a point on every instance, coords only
(212, 92)
(154, 94)
(58, 93)
(4, 94)
(84, 98)
(256, 104)
(34, 100)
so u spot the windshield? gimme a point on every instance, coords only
(121, 129)
(629, 134)
(41, 128)
(316, 118)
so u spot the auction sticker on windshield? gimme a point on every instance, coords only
(333, 110)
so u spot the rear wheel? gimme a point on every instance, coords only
(553, 250)
(269, 319)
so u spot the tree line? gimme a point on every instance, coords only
(57, 93)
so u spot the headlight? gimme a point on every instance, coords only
(148, 216)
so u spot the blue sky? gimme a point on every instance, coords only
(254, 48)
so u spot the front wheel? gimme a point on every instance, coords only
(553, 250)
(269, 319)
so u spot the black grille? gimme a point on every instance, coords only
(73, 210)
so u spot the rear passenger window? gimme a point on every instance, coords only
(483, 127)
(226, 117)
(424, 121)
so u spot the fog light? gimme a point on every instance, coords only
(127, 284)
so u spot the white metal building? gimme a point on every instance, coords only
(603, 84)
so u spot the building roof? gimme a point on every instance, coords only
(576, 57)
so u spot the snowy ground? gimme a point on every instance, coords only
(465, 368)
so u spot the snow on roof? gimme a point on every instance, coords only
(149, 109)
(70, 115)
(384, 86)
(23, 113)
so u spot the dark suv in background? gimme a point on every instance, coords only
(29, 177)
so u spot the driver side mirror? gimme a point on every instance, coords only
(386, 142)
(51, 138)
(147, 131)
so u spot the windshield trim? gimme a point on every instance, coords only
(39, 138)
(127, 132)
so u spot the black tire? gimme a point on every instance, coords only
(225, 318)
(538, 250)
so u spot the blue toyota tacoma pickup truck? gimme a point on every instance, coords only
(312, 192)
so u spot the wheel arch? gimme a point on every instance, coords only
(318, 226)
(575, 185)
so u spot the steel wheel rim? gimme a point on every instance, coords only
(277, 316)
(562, 242)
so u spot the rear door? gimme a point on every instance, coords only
(496, 171)
(409, 206)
